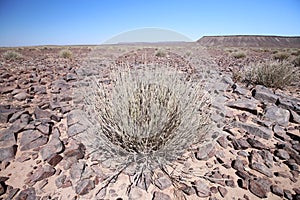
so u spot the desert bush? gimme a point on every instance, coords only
(296, 53)
(281, 56)
(160, 53)
(66, 53)
(296, 61)
(148, 117)
(273, 74)
(239, 55)
(12, 55)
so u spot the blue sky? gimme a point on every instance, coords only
(41, 22)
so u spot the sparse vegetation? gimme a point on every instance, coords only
(66, 53)
(147, 117)
(239, 55)
(160, 53)
(12, 55)
(281, 56)
(296, 61)
(273, 74)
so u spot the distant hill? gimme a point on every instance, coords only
(250, 41)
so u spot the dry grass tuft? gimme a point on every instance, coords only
(273, 74)
(147, 117)
(66, 53)
(12, 55)
(239, 55)
(281, 56)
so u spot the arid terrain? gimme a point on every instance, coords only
(254, 153)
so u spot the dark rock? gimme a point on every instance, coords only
(53, 147)
(237, 89)
(77, 170)
(267, 157)
(288, 194)
(27, 194)
(45, 128)
(262, 169)
(8, 153)
(205, 152)
(294, 117)
(163, 183)
(223, 191)
(243, 153)
(160, 196)
(293, 154)
(279, 115)
(243, 183)
(189, 190)
(259, 131)
(7, 89)
(213, 189)
(256, 144)
(277, 190)
(11, 193)
(244, 104)
(42, 114)
(5, 113)
(230, 183)
(60, 181)
(32, 139)
(296, 147)
(17, 115)
(257, 189)
(238, 165)
(223, 142)
(21, 96)
(240, 143)
(74, 117)
(7, 138)
(282, 154)
(264, 94)
(42, 173)
(2, 188)
(84, 187)
(202, 190)
(54, 159)
(70, 77)
(75, 129)
(75, 150)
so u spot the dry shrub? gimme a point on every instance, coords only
(239, 55)
(160, 53)
(147, 117)
(296, 61)
(12, 55)
(281, 56)
(66, 53)
(273, 74)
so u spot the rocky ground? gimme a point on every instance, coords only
(255, 154)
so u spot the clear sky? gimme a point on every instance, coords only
(41, 22)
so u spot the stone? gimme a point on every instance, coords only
(163, 183)
(282, 154)
(60, 181)
(238, 165)
(5, 113)
(27, 194)
(54, 146)
(293, 154)
(160, 196)
(8, 153)
(243, 104)
(223, 142)
(45, 128)
(42, 173)
(230, 183)
(240, 143)
(70, 77)
(188, 190)
(2, 188)
(267, 157)
(7, 138)
(256, 144)
(239, 90)
(202, 190)
(135, 193)
(74, 117)
(42, 114)
(32, 139)
(278, 115)
(75, 150)
(277, 190)
(77, 170)
(257, 189)
(75, 129)
(84, 187)
(21, 96)
(262, 169)
(294, 117)
(259, 131)
(11, 193)
(54, 159)
(223, 191)
(264, 94)
(288, 194)
(205, 152)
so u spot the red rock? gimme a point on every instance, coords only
(42, 173)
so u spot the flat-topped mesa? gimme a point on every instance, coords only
(250, 41)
